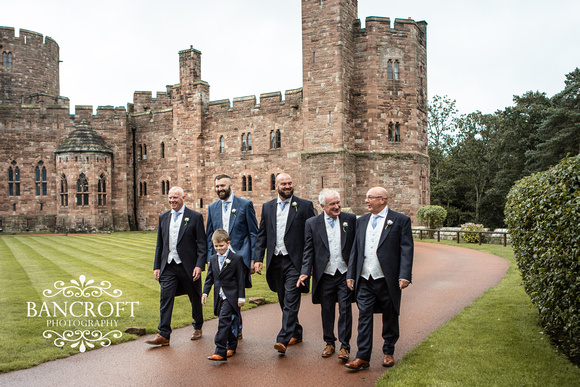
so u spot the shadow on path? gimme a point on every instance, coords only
(445, 280)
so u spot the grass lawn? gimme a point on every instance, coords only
(32, 264)
(495, 341)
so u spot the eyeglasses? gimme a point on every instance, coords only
(372, 197)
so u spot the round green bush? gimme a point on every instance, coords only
(471, 237)
(543, 215)
(432, 216)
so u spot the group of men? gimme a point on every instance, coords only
(366, 260)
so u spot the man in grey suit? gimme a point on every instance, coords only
(238, 218)
(380, 266)
(281, 239)
(328, 241)
(179, 260)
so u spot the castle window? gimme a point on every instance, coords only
(41, 184)
(244, 187)
(145, 189)
(144, 152)
(272, 140)
(13, 180)
(7, 59)
(162, 187)
(278, 139)
(140, 188)
(167, 186)
(396, 72)
(102, 191)
(82, 190)
(162, 150)
(249, 183)
(244, 143)
(249, 141)
(222, 144)
(390, 131)
(397, 133)
(272, 182)
(63, 191)
(390, 69)
(140, 152)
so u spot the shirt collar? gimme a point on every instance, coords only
(287, 201)
(230, 199)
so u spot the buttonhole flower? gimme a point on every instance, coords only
(344, 226)
(186, 220)
(226, 262)
(295, 205)
(234, 211)
(389, 222)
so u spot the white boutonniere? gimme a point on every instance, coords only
(344, 226)
(295, 205)
(389, 222)
(186, 220)
(226, 262)
(234, 211)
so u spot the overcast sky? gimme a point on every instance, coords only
(480, 53)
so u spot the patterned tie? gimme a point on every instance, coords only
(374, 223)
(226, 206)
(331, 221)
(175, 216)
(283, 204)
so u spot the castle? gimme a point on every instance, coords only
(359, 120)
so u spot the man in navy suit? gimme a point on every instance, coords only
(328, 241)
(227, 272)
(380, 266)
(238, 218)
(179, 260)
(281, 239)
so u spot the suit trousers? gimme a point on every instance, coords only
(286, 276)
(172, 277)
(372, 295)
(333, 289)
(224, 337)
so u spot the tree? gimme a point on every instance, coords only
(442, 123)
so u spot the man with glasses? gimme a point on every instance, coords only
(379, 269)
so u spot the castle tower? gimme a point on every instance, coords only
(328, 64)
(27, 54)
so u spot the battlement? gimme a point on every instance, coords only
(293, 98)
(143, 101)
(26, 37)
(104, 112)
(384, 23)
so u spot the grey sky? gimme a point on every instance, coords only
(480, 53)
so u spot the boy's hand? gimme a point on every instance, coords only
(240, 304)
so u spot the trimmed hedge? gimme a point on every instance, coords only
(432, 216)
(543, 214)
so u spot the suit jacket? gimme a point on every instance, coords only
(316, 250)
(293, 237)
(230, 279)
(243, 227)
(191, 244)
(395, 252)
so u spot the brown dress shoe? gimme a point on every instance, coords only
(294, 340)
(240, 336)
(344, 354)
(216, 357)
(231, 352)
(158, 340)
(280, 347)
(328, 351)
(389, 361)
(358, 365)
(196, 334)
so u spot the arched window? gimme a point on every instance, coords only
(10, 60)
(272, 140)
(82, 190)
(272, 182)
(396, 75)
(278, 139)
(144, 151)
(145, 189)
(4, 59)
(222, 144)
(102, 191)
(40, 178)
(397, 133)
(244, 187)
(390, 69)
(140, 188)
(249, 141)
(244, 143)
(13, 179)
(162, 187)
(167, 187)
(162, 150)
(249, 182)
(140, 152)
(63, 191)
(390, 131)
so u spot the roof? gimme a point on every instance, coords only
(83, 139)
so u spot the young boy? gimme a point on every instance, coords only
(226, 272)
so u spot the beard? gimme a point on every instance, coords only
(286, 194)
(224, 194)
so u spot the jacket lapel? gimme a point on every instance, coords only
(386, 227)
(343, 231)
(183, 225)
(292, 211)
(321, 229)
(233, 217)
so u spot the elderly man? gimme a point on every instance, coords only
(328, 241)
(380, 267)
